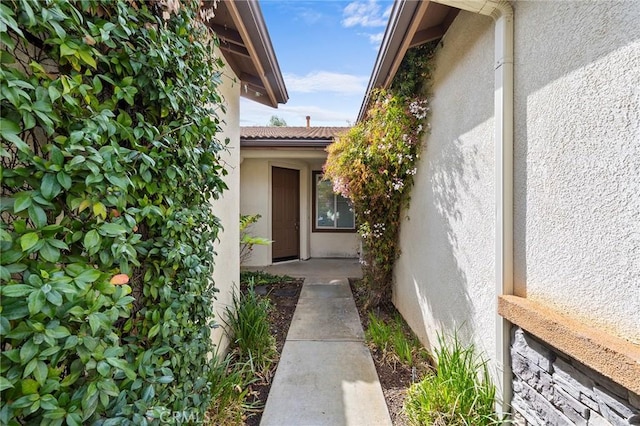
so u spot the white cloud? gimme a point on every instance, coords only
(310, 16)
(376, 38)
(254, 114)
(365, 13)
(325, 81)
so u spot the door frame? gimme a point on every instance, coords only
(301, 213)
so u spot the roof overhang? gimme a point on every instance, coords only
(285, 143)
(411, 23)
(247, 49)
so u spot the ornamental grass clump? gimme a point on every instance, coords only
(459, 393)
(247, 322)
(396, 342)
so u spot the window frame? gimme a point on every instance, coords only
(314, 197)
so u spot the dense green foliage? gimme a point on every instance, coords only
(373, 165)
(109, 163)
(414, 74)
(276, 121)
(460, 393)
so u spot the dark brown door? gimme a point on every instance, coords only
(285, 190)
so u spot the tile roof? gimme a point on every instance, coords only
(286, 132)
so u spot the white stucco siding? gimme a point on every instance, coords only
(334, 244)
(254, 199)
(577, 160)
(227, 208)
(444, 278)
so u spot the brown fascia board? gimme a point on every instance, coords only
(405, 15)
(259, 41)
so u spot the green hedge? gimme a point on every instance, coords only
(109, 162)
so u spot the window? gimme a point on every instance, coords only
(332, 212)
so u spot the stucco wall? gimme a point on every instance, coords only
(227, 209)
(445, 274)
(256, 199)
(577, 160)
(334, 244)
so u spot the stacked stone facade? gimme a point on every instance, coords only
(550, 388)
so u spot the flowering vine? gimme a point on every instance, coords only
(373, 164)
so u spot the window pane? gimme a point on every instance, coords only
(325, 204)
(346, 218)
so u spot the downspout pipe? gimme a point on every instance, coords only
(502, 14)
(503, 103)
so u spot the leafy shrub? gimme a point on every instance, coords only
(109, 162)
(460, 393)
(247, 241)
(262, 277)
(373, 165)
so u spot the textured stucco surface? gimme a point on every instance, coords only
(445, 274)
(254, 199)
(256, 195)
(227, 209)
(577, 160)
(334, 244)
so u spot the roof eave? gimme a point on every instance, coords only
(284, 143)
(252, 28)
(412, 23)
(403, 19)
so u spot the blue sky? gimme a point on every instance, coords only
(326, 50)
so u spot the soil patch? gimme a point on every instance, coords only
(284, 298)
(395, 378)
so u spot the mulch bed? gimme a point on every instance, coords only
(394, 379)
(284, 298)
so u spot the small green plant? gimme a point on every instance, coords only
(251, 355)
(247, 323)
(459, 393)
(396, 342)
(247, 241)
(230, 384)
(262, 278)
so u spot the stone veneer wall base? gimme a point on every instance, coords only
(551, 388)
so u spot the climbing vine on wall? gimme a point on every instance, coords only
(109, 162)
(374, 163)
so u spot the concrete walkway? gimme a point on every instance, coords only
(326, 375)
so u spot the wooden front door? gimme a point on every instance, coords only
(285, 190)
